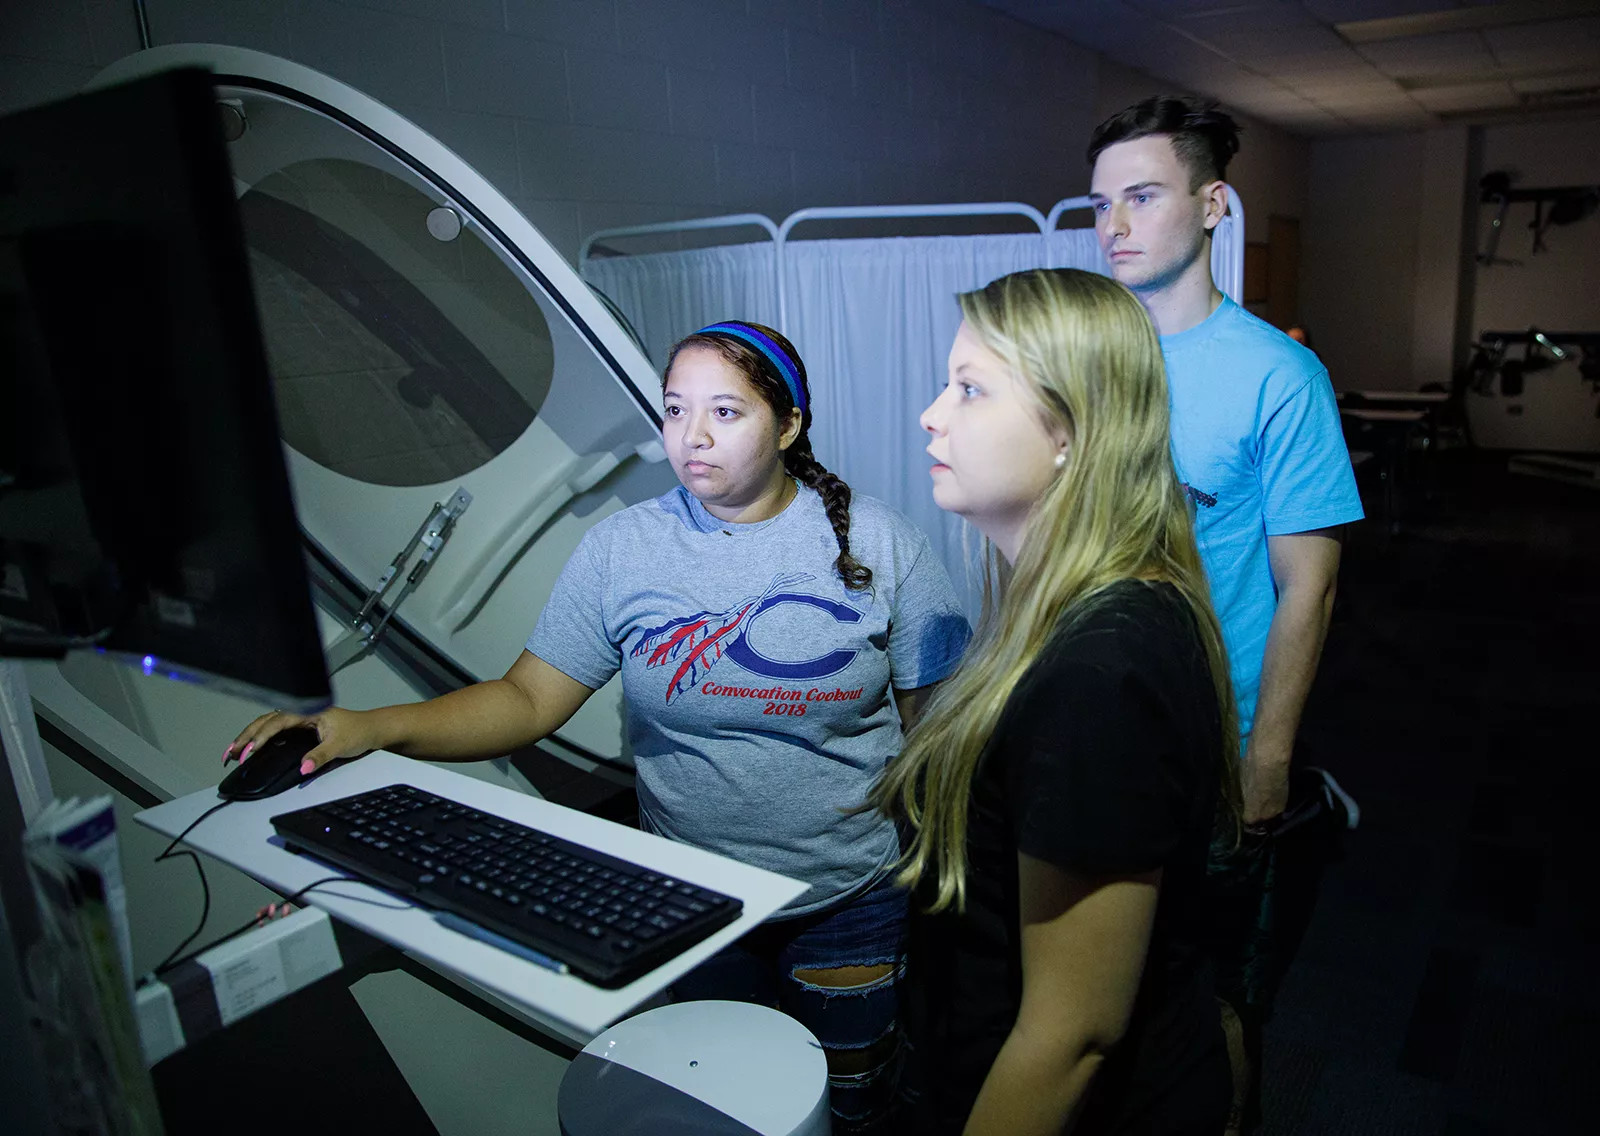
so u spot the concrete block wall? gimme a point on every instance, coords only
(596, 113)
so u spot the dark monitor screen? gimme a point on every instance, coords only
(144, 504)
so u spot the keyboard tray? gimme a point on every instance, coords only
(608, 920)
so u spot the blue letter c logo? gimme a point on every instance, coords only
(741, 652)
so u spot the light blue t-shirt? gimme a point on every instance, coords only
(757, 685)
(1257, 442)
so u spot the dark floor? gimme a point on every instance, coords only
(1448, 983)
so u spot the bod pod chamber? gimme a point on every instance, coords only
(445, 382)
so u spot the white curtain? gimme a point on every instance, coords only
(873, 320)
(666, 295)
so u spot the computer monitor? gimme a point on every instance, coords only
(144, 505)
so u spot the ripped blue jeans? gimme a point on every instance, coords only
(868, 930)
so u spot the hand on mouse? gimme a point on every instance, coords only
(340, 732)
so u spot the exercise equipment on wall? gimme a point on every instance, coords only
(1490, 371)
(1552, 205)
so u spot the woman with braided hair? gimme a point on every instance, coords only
(774, 633)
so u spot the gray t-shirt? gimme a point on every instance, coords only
(758, 686)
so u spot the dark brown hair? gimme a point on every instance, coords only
(798, 460)
(1203, 137)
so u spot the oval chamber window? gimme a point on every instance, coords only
(398, 358)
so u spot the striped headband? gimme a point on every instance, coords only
(780, 359)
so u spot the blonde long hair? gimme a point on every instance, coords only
(1085, 351)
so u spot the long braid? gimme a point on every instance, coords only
(835, 494)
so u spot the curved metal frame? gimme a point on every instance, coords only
(1230, 278)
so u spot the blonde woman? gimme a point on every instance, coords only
(1059, 795)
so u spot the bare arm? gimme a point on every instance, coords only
(910, 704)
(486, 719)
(1305, 569)
(1084, 941)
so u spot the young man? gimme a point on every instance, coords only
(1257, 442)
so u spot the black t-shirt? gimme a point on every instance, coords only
(1104, 759)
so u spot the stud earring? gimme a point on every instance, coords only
(1061, 460)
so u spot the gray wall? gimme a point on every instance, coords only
(1384, 249)
(1359, 257)
(595, 113)
(1558, 289)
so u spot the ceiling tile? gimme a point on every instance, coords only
(1565, 43)
(1341, 102)
(1093, 23)
(1414, 118)
(1536, 36)
(1455, 52)
(1339, 60)
(1340, 11)
(1565, 81)
(1472, 97)
(1167, 9)
(1358, 92)
(1312, 117)
(1333, 80)
(1280, 60)
(1280, 29)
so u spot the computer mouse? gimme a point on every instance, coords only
(272, 768)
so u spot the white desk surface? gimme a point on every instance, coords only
(242, 835)
(1401, 395)
(1363, 414)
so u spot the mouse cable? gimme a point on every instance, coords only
(255, 921)
(168, 853)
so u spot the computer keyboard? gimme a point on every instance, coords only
(606, 919)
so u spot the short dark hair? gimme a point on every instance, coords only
(1203, 137)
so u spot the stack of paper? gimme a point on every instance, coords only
(80, 972)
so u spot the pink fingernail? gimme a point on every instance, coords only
(247, 750)
(306, 767)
